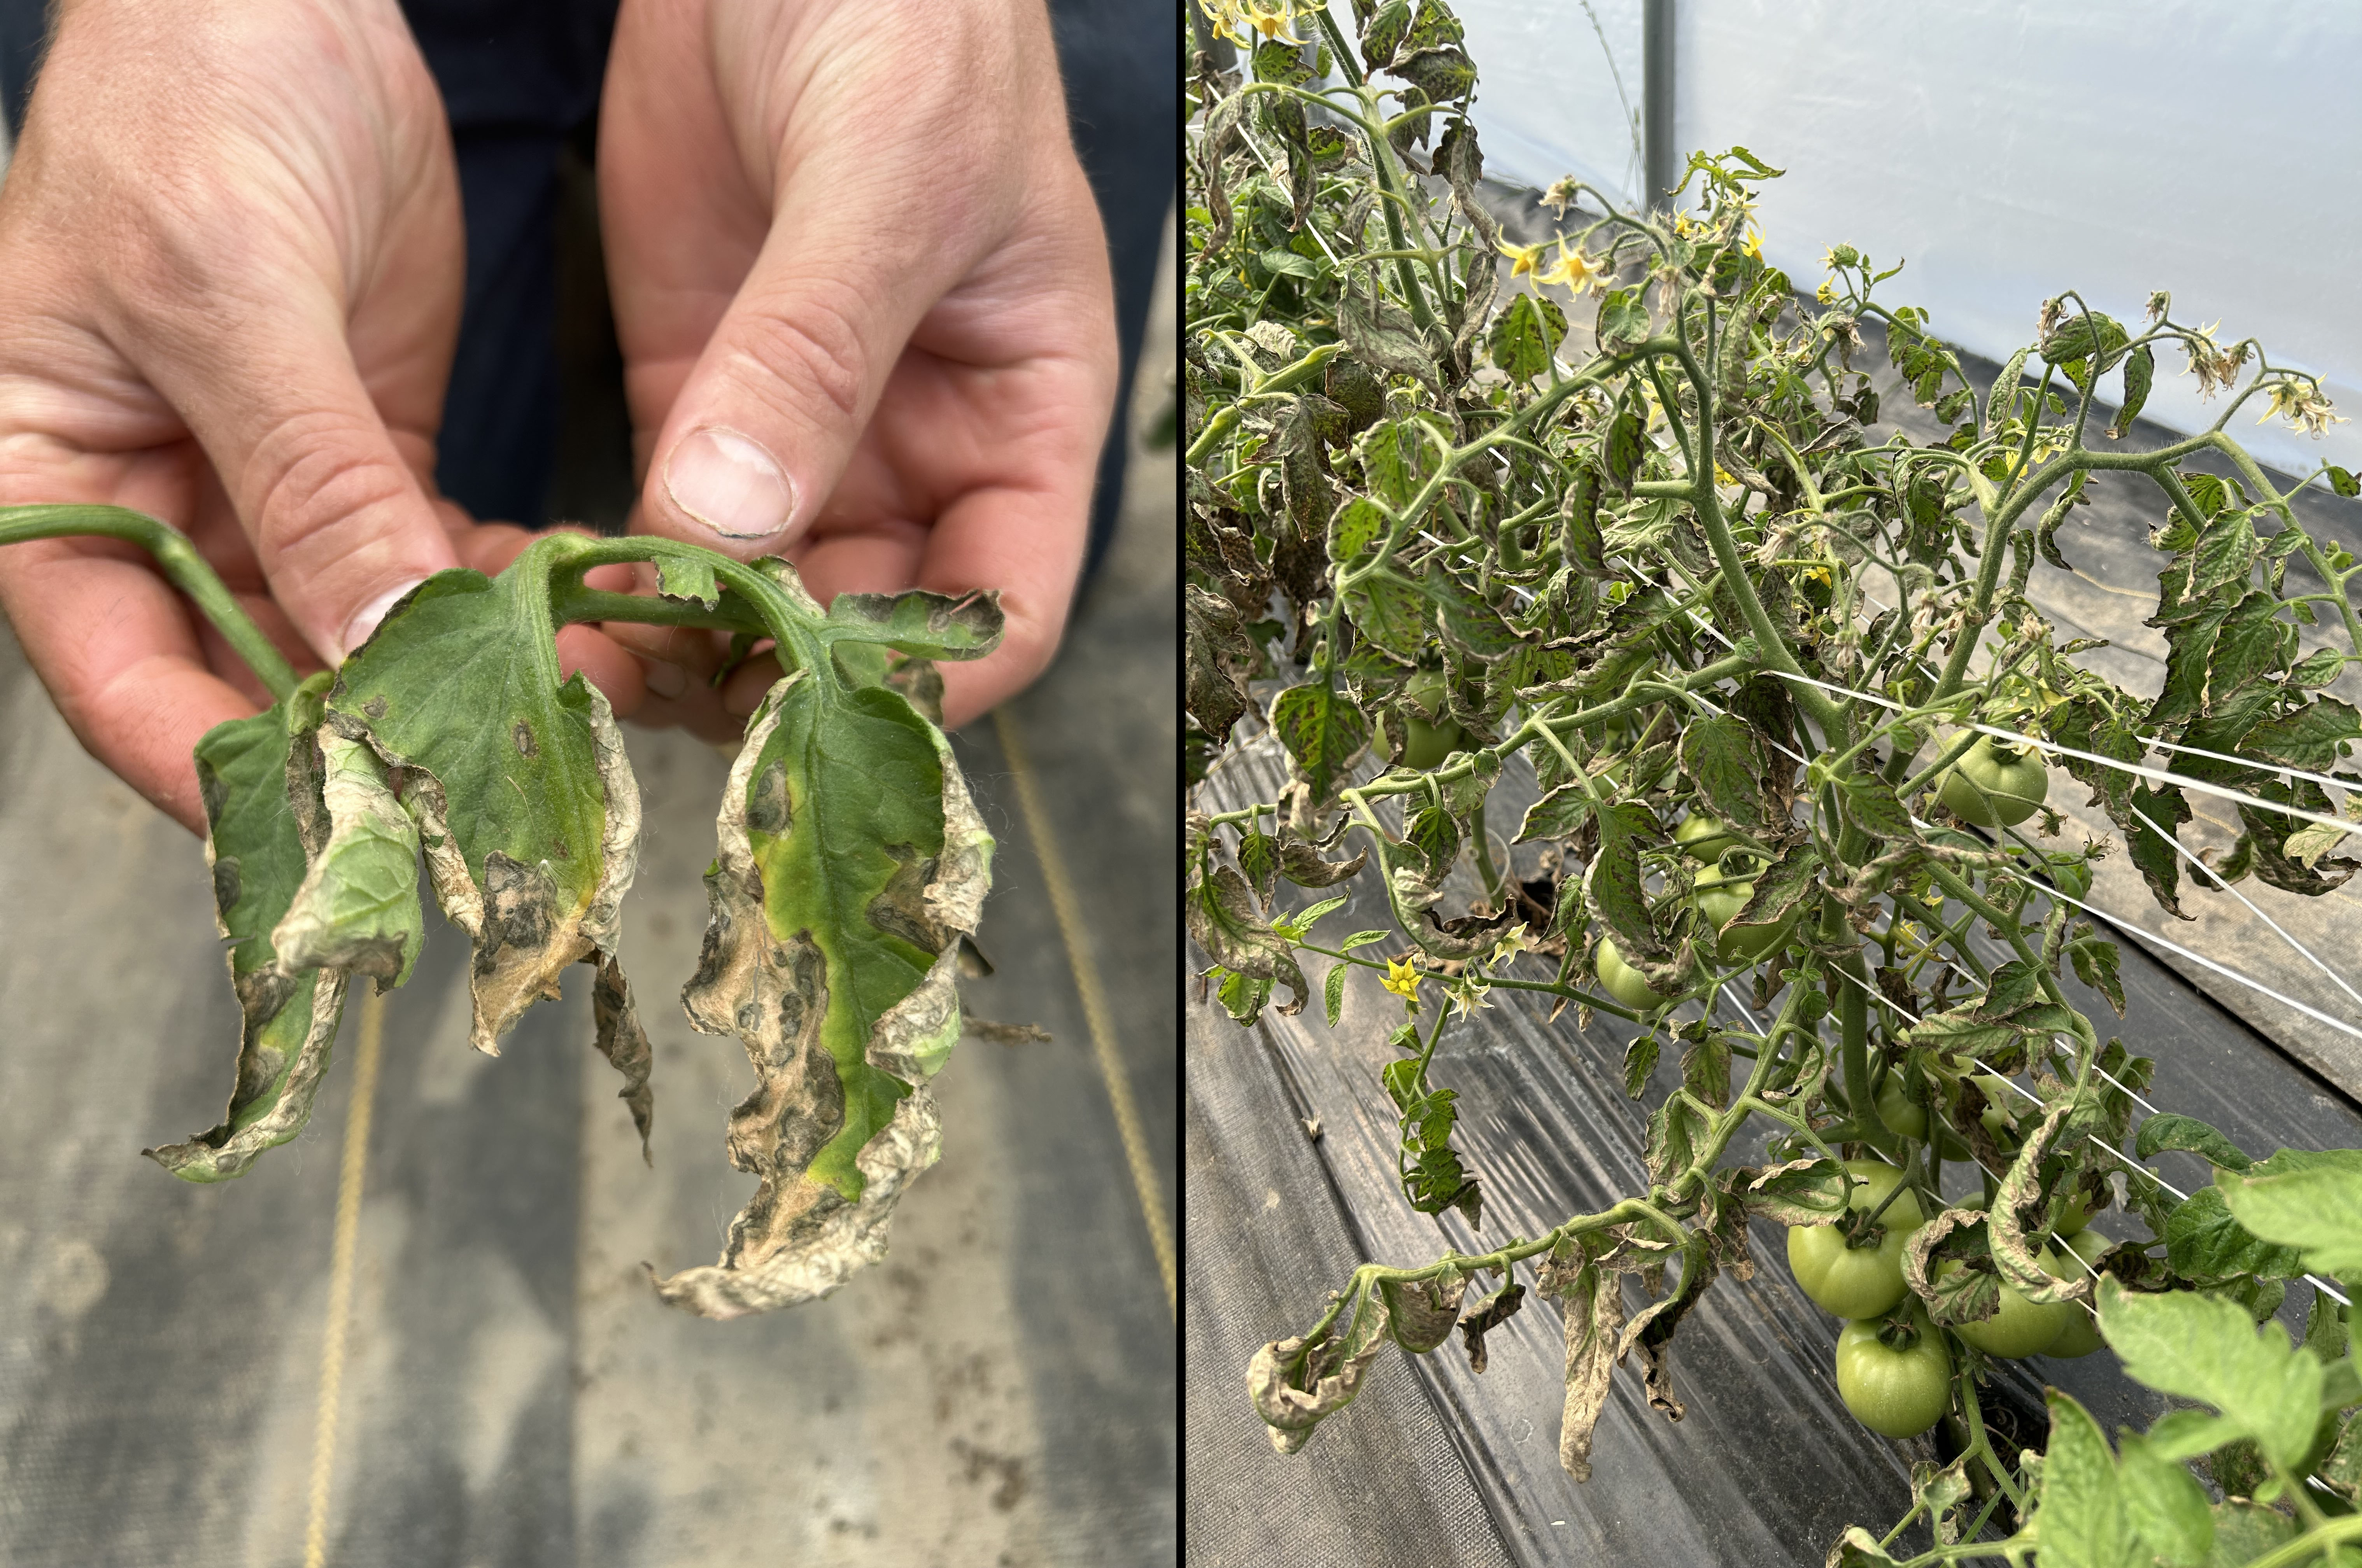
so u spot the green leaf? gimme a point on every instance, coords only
(1324, 732)
(2344, 483)
(2312, 1202)
(2082, 1521)
(1557, 815)
(524, 803)
(2170, 1130)
(688, 579)
(1363, 940)
(2244, 1530)
(255, 844)
(2165, 1506)
(1622, 321)
(1810, 1192)
(1720, 758)
(2200, 1348)
(1333, 992)
(2140, 369)
(2226, 553)
(1525, 335)
(1382, 334)
(2204, 1242)
(1353, 527)
(850, 865)
(1289, 264)
(923, 624)
(1390, 611)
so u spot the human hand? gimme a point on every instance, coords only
(863, 299)
(230, 278)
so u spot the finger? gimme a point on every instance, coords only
(113, 644)
(340, 520)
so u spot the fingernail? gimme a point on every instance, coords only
(667, 681)
(729, 484)
(365, 622)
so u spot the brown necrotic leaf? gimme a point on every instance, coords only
(850, 864)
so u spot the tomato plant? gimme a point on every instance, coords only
(831, 956)
(1730, 636)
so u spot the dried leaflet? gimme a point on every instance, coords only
(1592, 1306)
(256, 846)
(850, 864)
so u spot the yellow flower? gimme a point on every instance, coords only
(1827, 293)
(2303, 406)
(1402, 979)
(1239, 20)
(1522, 257)
(1754, 242)
(1723, 476)
(1469, 993)
(1513, 942)
(1572, 268)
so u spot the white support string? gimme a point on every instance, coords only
(2181, 781)
(2243, 898)
(2314, 1280)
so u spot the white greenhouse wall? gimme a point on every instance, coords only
(2006, 152)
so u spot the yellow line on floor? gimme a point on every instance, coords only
(1095, 1008)
(340, 1272)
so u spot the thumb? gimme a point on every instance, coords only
(767, 421)
(333, 502)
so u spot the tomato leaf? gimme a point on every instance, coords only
(255, 844)
(2304, 1199)
(517, 779)
(2201, 1348)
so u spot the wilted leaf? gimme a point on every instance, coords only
(1592, 1307)
(851, 862)
(358, 909)
(923, 624)
(518, 783)
(256, 847)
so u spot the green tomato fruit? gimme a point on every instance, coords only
(2018, 1327)
(1895, 1378)
(1625, 984)
(1427, 745)
(1995, 785)
(1905, 1119)
(1720, 899)
(1702, 836)
(2081, 1334)
(1857, 1281)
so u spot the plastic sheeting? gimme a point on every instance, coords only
(2006, 152)
(1434, 1463)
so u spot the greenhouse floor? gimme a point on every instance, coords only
(510, 1392)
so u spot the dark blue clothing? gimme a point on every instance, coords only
(520, 78)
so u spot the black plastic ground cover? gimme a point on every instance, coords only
(1436, 1464)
